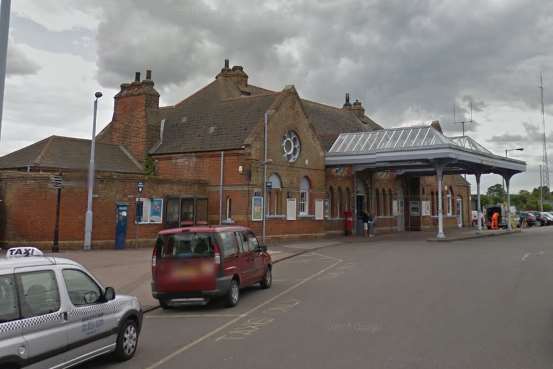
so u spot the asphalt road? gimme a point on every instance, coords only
(484, 303)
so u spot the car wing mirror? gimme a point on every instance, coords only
(109, 294)
(262, 248)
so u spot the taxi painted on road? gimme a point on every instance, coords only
(55, 314)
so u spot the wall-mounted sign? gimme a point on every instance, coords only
(257, 208)
(139, 186)
(291, 209)
(414, 208)
(425, 208)
(319, 209)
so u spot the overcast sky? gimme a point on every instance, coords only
(407, 61)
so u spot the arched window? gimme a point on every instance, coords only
(390, 202)
(331, 202)
(378, 209)
(228, 209)
(339, 203)
(449, 201)
(305, 186)
(274, 195)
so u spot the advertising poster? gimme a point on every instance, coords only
(257, 208)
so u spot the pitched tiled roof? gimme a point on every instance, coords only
(329, 122)
(221, 115)
(56, 152)
(217, 125)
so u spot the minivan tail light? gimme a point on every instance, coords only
(217, 254)
(154, 259)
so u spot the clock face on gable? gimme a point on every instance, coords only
(291, 146)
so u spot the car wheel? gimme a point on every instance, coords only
(127, 341)
(164, 304)
(233, 294)
(267, 280)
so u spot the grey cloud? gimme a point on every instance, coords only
(533, 135)
(78, 41)
(18, 63)
(396, 56)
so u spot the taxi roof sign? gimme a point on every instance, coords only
(15, 252)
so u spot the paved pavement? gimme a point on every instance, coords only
(481, 303)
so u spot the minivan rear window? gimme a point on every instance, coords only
(184, 245)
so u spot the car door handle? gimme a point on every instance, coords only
(64, 316)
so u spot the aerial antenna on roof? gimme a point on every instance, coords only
(463, 122)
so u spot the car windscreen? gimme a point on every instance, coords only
(185, 245)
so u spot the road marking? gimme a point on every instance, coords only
(249, 312)
(525, 256)
(174, 316)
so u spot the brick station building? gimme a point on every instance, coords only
(201, 161)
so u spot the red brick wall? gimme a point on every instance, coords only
(28, 207)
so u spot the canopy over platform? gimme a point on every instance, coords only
(421, 151)
(418, 150)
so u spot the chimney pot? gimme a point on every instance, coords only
(148, 74)
(227, 64)
(137, 76)
(347, 104)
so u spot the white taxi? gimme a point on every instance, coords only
(55, 314)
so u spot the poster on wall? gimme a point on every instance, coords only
(257, 208)
(394, 208)
(319, 209)
(290, 209)
(156, 207)
(426, 208)
(414, 208)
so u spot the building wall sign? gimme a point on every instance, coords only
(257, 208)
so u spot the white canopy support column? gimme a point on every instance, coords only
(439, 177)
(478, 205)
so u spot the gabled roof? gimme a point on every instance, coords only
(218, 125)
(221, 115)
(330, 121)
(67, 153)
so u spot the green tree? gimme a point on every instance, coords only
(496, 194)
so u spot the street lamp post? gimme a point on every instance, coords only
(265, 162)
(91, 171)
(508, 192)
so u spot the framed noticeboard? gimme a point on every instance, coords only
(291, 209)
(257, 208)
(425, 208)
(414, 208)
(319, 209)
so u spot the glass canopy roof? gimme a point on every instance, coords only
(401, 139)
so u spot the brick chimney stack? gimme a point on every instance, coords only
(358, 109)
(236, 74)
(134, 123)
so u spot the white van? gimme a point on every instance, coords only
(55, 314)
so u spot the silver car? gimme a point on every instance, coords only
(55, 314)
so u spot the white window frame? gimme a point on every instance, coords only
(304, 202)
(147, 210)
(449, 203)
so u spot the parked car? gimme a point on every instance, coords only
(55, 314)
(547, 218)
(528, 218)
(540, 219)
(204, 262)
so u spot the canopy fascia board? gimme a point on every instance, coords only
(492, 163)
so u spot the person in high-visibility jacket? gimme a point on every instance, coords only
(495, 220)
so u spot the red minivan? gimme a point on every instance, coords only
(202, 262)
